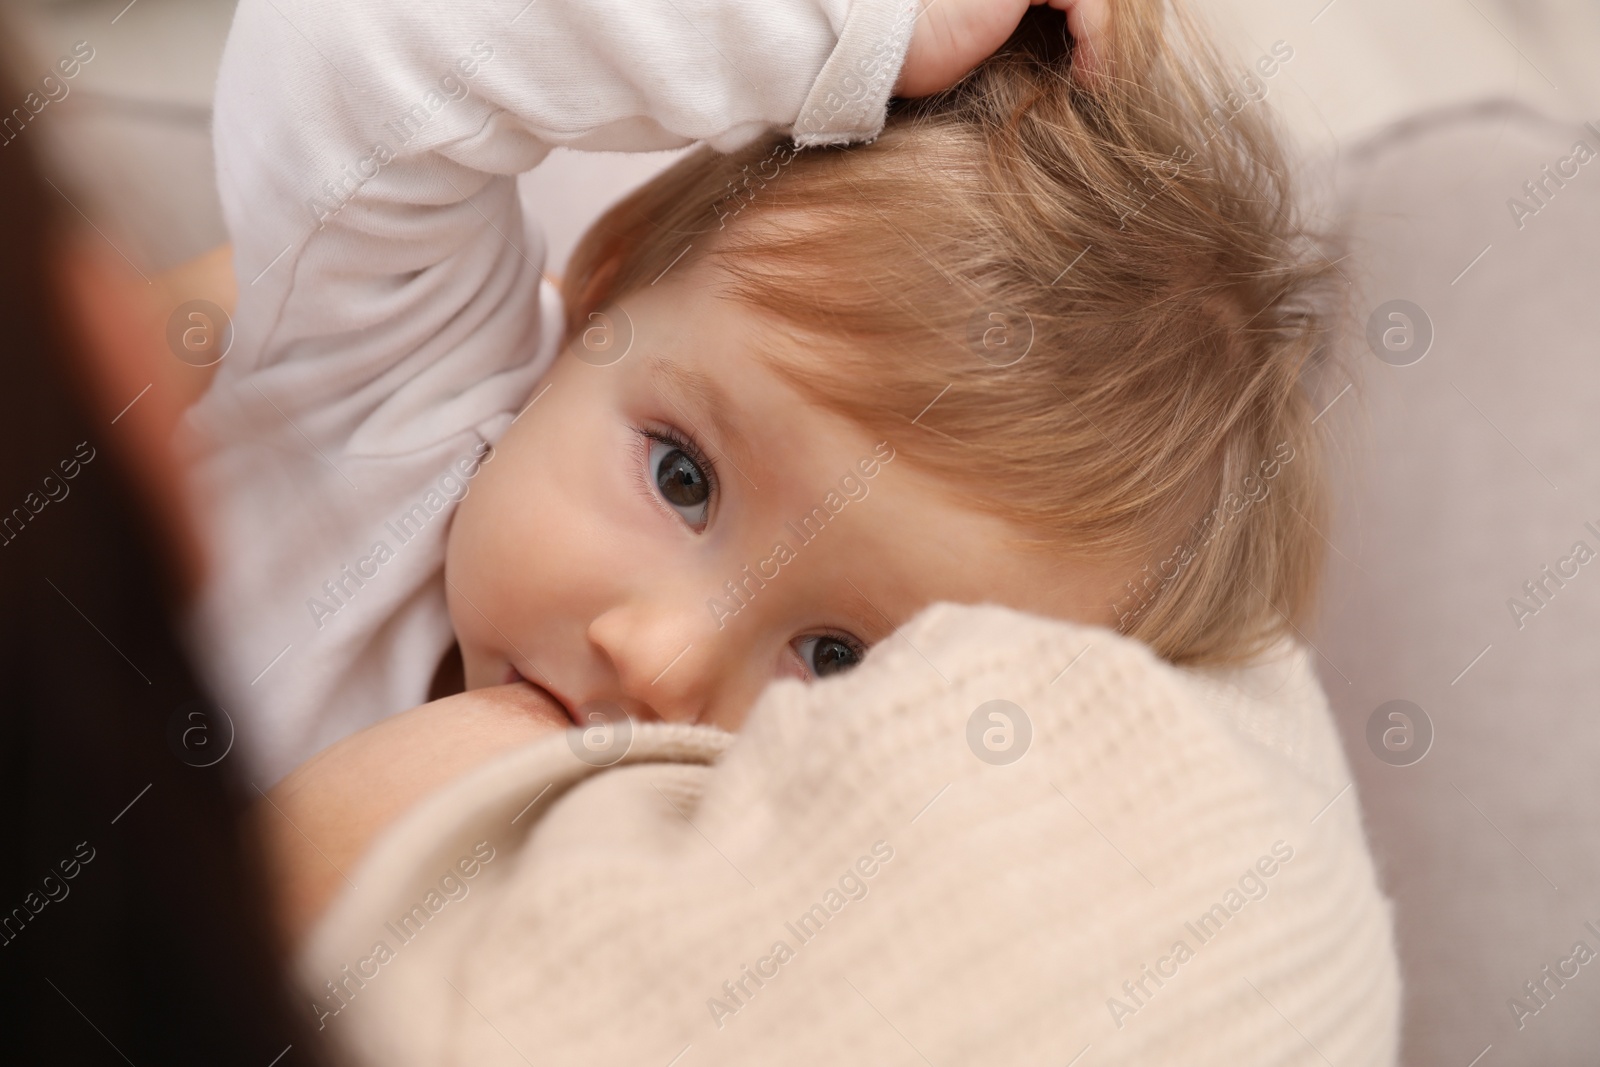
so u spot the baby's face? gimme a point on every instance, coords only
(672, 531)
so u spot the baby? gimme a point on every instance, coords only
(1039, 341)
(1019, 349)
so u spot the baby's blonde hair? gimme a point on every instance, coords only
(1131, 237)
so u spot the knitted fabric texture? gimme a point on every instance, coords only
(1173, 872)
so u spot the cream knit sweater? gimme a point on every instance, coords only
(1174, 872)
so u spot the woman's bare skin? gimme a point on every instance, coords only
(316, 823)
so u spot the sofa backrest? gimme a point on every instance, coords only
(1464, 573)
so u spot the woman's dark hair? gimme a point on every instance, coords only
(133, 925)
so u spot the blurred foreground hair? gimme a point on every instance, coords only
(136, 912)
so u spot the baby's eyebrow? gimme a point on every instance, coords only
(686, 386)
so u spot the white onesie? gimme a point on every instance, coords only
(392, 318)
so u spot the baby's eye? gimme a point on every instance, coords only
(681, 480)
(824, 654)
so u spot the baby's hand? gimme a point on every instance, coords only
(953, 36)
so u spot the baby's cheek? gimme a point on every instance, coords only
(480, 582)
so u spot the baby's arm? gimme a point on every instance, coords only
(367, 156)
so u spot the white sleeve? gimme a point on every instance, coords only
(367, 154)
(392, 316)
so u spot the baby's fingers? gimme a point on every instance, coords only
(953, 36)
(1087, 21)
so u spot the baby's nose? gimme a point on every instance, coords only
(663, 672)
